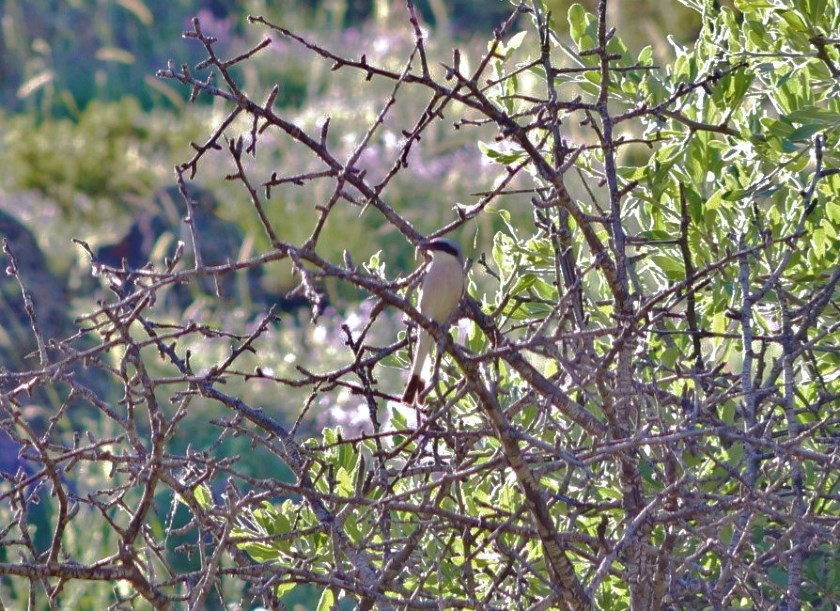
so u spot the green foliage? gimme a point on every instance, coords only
(750, 153)
(92, 167)
(644, 387)
(95, 157)
(103, 162)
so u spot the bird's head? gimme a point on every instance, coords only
(442, 246)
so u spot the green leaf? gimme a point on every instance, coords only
(501, 255)
(260, 552)
(779, 575)
(344, 482)
(655, 235)
(330, 435)
(805, 132)
(819, 241)
(714, 201)
(545, 290)
(649, 475)
(476, 340)
(327, 600)
(399, 421)
(279, 525)
(514, 42)
(577, 22)
(750, 6)
(814, 115)
(832, 211)
(795, 21)
(500, 157)
(819, 11)
(525, 282)
(203, 496)
(671, 265)
(375, 265)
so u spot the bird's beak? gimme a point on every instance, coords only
(422, 249)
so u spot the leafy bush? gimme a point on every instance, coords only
(639, 408)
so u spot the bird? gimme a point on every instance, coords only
(443, 284)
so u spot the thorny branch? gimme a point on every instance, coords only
(557, 396)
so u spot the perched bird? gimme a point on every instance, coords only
(443, 284)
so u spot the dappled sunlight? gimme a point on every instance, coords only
(448, 305)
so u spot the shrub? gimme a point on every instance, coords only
(640, 410)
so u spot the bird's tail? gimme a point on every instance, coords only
(415, 382)
(413, 390)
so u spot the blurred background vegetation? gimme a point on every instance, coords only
(91, 132)
(89, 135)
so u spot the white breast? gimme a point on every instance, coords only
(442, 287)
